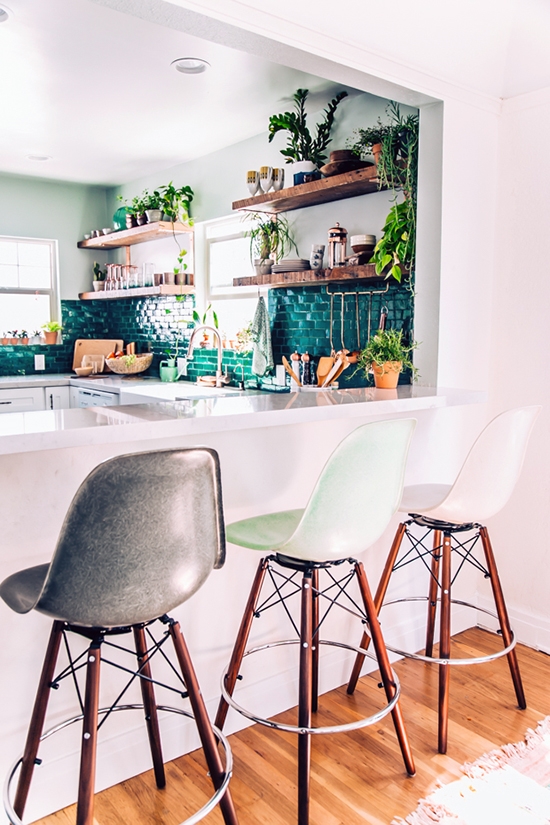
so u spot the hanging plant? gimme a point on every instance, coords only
(398, 170)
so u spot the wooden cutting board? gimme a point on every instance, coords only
(94, 346)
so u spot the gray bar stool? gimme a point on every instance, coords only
(141, 536)
(482, 487)
(366, 471)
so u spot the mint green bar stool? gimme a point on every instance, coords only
(366, 471)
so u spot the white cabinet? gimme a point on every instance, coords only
(57, 398)
(22, 399)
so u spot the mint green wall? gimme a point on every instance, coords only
(41, 208)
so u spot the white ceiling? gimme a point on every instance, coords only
(93, 89)
(497, 47)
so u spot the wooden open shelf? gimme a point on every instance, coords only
(309, 277)
(138, 292)
(337, 187)
(139, 234)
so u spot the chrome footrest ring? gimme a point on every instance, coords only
(194, 818)
(432, 660)
(361, 723)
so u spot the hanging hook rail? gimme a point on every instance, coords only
(357, 293)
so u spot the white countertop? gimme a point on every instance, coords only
(55, 429)
(11, 382)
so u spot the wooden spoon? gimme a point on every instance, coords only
(326, 363)
(290, 371)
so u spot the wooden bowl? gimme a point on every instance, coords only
(82, 372)
(130, 364)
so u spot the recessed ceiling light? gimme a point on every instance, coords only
(5, 13)
(39, 157)
(190, 65)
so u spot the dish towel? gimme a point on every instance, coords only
(262, 354)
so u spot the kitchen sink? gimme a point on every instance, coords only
(176, 391)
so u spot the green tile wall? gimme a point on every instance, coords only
(300, 320)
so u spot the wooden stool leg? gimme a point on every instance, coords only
(149, 705)
(204, 727)
(432, 593)
(86, 783)
(445, 643)
(241, 642)
(37, 719)
(378, 602)
(305, 699)
(502, 613)
(315, 648)
(385, 667)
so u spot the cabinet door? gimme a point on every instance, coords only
(57, 398)
(22, 400)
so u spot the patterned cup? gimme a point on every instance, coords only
(253, 181)
(266, 178)
(278, 179)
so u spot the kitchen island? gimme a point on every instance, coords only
(272, 448)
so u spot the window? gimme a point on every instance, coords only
(28, 283)
(227, 255)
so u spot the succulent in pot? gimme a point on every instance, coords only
(386, 355)
(99, 277)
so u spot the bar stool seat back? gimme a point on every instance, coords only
(351, 505)
(488, 475)
(141, 535)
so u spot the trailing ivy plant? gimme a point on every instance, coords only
(270, 237)
(300, 143)
(397, 170)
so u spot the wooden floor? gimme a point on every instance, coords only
(356, 777)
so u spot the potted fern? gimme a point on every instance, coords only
(305, 151)
(385, 356)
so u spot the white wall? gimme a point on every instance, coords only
(40, 208)
(519, 365)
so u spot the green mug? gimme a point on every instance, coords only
(168, 371)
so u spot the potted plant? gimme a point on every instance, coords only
(23, 336)
(176, 203)
(270, 240)
(51, 330)
(99, 277)
(208, 315)
(307, 152)
(369, 141)
(13, 337)
(180, 268)
(386, 356)
(151, 205)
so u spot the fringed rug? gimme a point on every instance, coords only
(508, 786)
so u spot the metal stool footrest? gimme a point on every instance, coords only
(361, 723)
(194, 818)
(432, 660)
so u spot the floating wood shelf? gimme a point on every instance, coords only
(309, 277)
(138, 292)
(337, 187)
(139, 234)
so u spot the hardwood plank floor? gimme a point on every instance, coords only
(358, 777)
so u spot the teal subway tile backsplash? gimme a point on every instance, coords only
(300, 320)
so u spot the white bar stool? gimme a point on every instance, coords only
(141, 536)
(366, 470)
(482, 487)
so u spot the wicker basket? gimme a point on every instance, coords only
(130, 364)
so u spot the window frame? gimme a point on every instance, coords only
(205, 235)
(53, 291)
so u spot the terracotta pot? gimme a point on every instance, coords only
(5, 341)
(387, 375)
(24, 340)
(376, 152)
(14, 341)
(50, 337)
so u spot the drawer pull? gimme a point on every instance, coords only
(6, 402)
